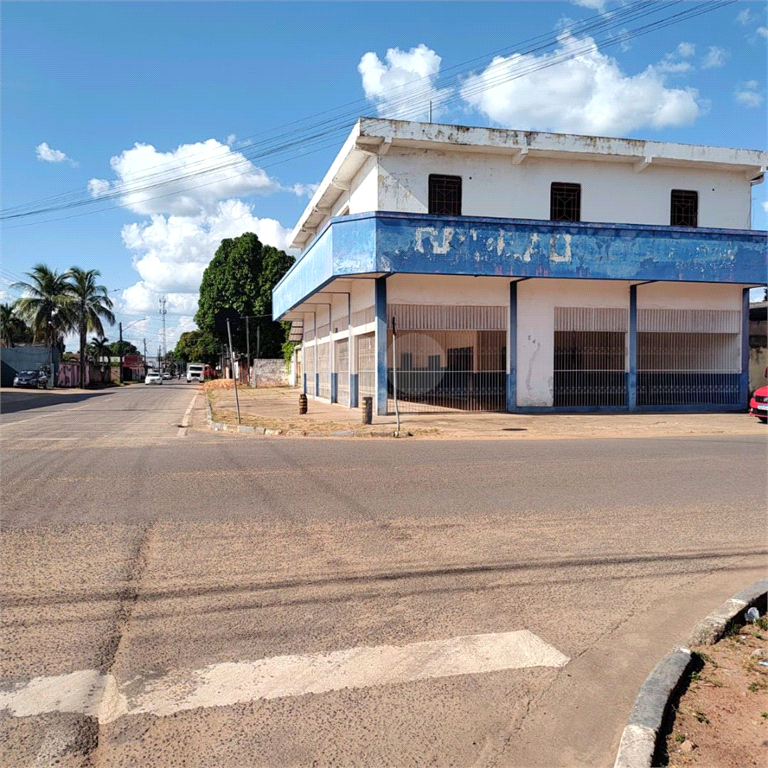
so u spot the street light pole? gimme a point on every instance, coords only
(120, 379)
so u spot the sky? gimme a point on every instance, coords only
(135, 136)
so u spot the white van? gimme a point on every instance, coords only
(195, 372)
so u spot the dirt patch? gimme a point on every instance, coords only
(722, 718)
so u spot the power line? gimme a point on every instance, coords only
(325, 130)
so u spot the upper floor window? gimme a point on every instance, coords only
(684, 208)
(564, 201)
(445, 195)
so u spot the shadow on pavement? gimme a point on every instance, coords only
(25, 400)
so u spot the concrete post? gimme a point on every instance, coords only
(380, 307)
(632, 376)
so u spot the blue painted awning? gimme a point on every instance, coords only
(391, 243)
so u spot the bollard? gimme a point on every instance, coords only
(367, 410)
(302, 403)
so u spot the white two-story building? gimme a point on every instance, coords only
(526, 271)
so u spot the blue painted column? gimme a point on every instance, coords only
(334, 386)
(512, 350)
(380, 307)
(354, 391)
(304, 383)
(744, 377)
(632, 377)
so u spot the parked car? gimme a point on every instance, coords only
(153, 377)
(758, 405)
(166, 375)
(38, 379)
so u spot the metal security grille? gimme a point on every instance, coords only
(323, 369)
(363, 316)
(308, 356)
(565, 201)
(589, 368)
(445, 195)
(366, 365)
(342, 371)
(688, 368)
(688, 357)
(684, 208)
(441, 370)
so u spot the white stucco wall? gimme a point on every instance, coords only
(610, 192)
(689, 296)
(447, 290)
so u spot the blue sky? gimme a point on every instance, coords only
(95, 96)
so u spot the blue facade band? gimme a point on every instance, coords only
(632, 378)
(512, 350)
(354, 390)
(304, 383)
(380, 308)
(334, 387)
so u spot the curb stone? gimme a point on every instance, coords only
(640, 739)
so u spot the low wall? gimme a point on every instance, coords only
(269, 373)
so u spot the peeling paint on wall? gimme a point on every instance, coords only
(422, 244)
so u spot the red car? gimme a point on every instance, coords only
(758, 405)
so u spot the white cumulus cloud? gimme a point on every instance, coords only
(585, 94)
(685, 50)
(170, 253)
(188, 181)
(51, 155)
(748, 95)
(403, 86)
(715, 57)
(744, 16)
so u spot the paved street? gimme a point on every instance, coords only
(177, 597)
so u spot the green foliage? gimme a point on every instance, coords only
(196, 347)
(128, 348)
(241, 276)
(90, 305)
(47, 304)
(701, 717)
(13, 329)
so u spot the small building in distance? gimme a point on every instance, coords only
(526, 271)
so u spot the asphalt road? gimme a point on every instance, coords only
(239, 600)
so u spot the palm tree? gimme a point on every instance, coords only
(99, 347)
(91, 303)
(47, 304)
(7, 319)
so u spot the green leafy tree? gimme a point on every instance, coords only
(127, 349)
(47, 304)
(195, 347)
(91, 305)
(13, 329)
(241, 276)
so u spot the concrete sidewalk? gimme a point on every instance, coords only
(278, 409)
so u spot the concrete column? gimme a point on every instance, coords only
(354, 383)
(380, 307)
(632, 376)
(744, 376)
(512, 350)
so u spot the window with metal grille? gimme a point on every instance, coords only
(684, 208)
(445, 195)
(565, 201)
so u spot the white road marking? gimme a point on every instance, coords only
(219, 685)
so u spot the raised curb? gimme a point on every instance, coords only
(218, 426)
(640, 739)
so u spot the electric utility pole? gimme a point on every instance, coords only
(163, 312)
